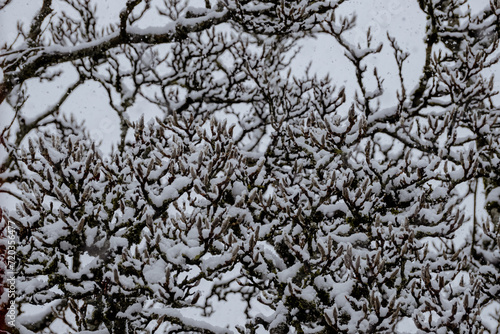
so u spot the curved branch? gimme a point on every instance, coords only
(54, 55)
(36, 26)
(16, 71)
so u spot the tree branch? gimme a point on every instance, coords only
(36, 29)
(54, 55)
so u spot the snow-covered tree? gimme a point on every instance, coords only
(324, 213)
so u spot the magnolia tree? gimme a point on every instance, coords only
(322, 212)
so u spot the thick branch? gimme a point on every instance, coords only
(15, 74)
(432, 38)
(56, 55)
(36, 26)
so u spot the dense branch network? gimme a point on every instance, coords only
(102, 54)
(323, 212)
